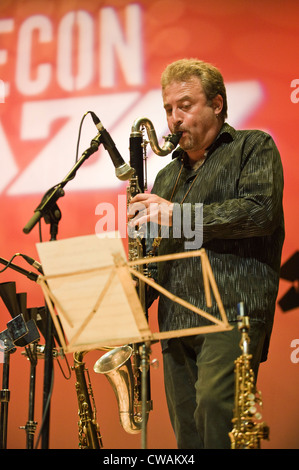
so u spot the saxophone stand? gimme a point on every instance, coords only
(30, 341)
(145, 404)
(30, 426)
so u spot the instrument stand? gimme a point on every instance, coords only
(48, 374)
(31, 425)
(145, 351)
(18, 333)
(5, 394)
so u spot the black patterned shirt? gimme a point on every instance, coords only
(240, 187)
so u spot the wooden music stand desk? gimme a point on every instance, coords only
(89, 283)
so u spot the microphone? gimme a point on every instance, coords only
(33, 263)
(123, 171)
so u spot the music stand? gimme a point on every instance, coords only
(88, 281)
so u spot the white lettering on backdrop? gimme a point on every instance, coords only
(104, 45)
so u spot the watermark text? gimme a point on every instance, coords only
(186, 222)
(295, 352)
(295, 92)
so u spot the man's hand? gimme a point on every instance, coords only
(145, 208)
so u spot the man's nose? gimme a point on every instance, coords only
(176, 118)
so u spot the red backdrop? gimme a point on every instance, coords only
(61, 59)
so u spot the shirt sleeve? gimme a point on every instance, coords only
(257, 209)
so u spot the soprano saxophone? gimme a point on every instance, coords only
(248, 430)
(89, 432)
(123, 365)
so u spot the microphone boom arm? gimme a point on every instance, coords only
(48, 202)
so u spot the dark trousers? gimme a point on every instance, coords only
(199, 383)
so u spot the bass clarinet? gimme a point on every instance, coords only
(123, 365)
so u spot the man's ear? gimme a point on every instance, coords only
(217, 104)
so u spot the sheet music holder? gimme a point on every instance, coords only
(88, 284)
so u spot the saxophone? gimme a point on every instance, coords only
(89, 433)
(248, 430)
(120, 367)
(123, 365)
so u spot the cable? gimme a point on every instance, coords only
(9, 262)
(79, 134)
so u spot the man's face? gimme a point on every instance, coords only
(188, 111)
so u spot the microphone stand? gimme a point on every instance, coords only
(49, 210)
(52, 216)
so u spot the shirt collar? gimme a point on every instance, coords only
(226, 134)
